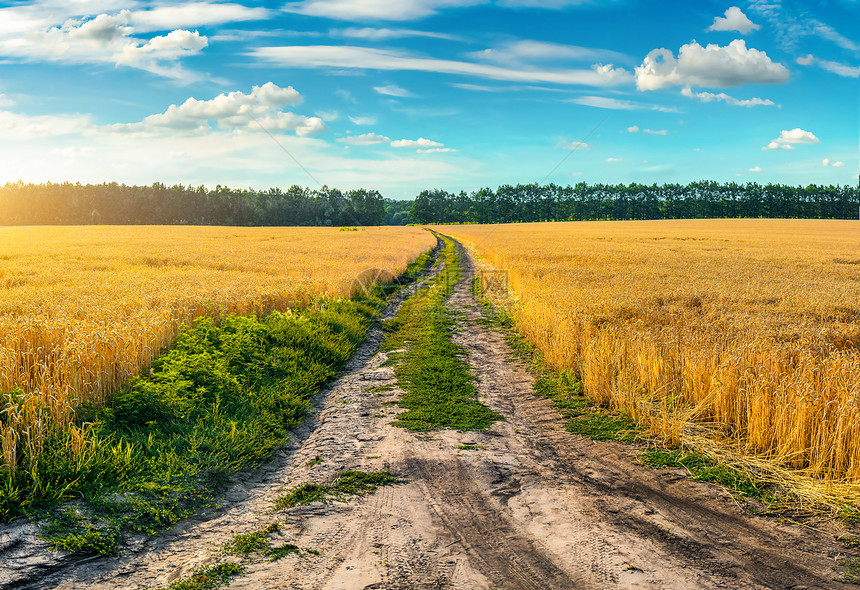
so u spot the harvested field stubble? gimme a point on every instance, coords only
(83, 309)
(744, 331)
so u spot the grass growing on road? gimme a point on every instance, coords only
(345, 485)
(439, 388)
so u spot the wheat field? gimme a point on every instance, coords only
(84, 308)
(740, 335)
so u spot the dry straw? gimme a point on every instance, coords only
(738, 337)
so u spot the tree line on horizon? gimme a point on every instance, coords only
(159, 204)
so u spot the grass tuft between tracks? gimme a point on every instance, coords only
(439, 389)
(345, 485)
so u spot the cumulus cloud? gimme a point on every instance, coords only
(416, 143)
(722, 96)
(827, 162)
(838, 164)
(656, 132)
(365, 139)
(788, 138)
(713, 66)
(754, 169)
(106, 38)
(393, 90)
(260, 110)
(365, 58)
(735, 20)
(435, 150)
(633, 129)
(613, 159)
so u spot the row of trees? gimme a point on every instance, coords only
(112, 203)
(534, 202)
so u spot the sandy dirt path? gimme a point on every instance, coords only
(533, 507)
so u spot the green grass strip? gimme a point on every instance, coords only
(346, 485)
(221, 400)
(439, 389)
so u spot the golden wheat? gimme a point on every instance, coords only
(82, 309)
(746, 330)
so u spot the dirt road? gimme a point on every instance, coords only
(531, 507)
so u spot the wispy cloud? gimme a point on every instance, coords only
(833, 67)
(384, 34)
(330, 56)
(617, 104)
(722, 96)
(393, 90)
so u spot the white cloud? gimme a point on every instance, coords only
(838, 164)
(393, 90)
(363, 120)
(754, 169)
(656, 132)
(573, 145)
(732, 65)
(17, 126)
(260, 110)
(351, 57)
(793, 22)
(435, 150)
(833, 67)
(722, 96)
(825, 162)
(633, 129)
(385, 34)
(106, 38)
(374, 9)
(613, 159)
(365, 139)
(788, 138)
(616, 104)
(735, 20)
(166, 17)
(527, 51)
(416, 143)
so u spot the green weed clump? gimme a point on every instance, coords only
(439, 388)
(220, 401)
(701, 468)
(209, 578)
(346, 485)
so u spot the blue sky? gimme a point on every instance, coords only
(403, 95)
